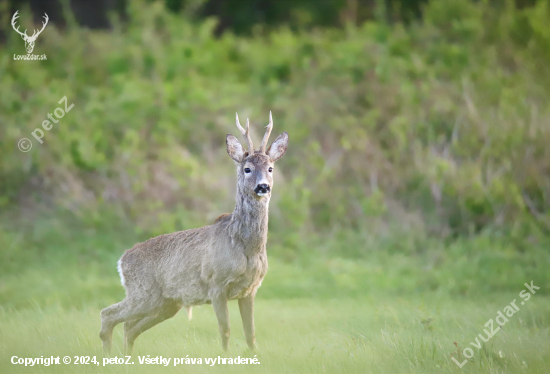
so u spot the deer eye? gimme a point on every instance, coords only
(270, 170)
(247, 170)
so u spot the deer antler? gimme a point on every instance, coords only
(246, 134)
(23, 34)
(43, 27)
(269, 127)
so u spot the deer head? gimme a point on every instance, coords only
(255, 168)
(29, 40)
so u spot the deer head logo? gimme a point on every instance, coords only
(29, 40)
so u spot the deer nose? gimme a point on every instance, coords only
(262, 188)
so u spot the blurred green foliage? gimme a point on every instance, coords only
(400, 135)
(445, 119)
(243, 17)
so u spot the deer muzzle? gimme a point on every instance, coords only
(262, 189)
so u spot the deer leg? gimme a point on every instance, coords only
(108, 324)
(111, 316)
(220, 308)
(136, 328)
(246, 306)
(128, 325)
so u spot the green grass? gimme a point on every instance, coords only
(325, 308)
(373, 334)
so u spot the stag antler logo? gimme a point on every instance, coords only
(29, 40)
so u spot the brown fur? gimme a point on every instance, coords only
(209, 265)
(222, 217)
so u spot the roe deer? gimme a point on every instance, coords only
(209, 265)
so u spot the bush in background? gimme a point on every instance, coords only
(399, 134)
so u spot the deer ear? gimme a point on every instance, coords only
(234, 149)
(278, 148)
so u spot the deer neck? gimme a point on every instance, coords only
(249, 222)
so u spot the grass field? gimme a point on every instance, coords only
(380, 313)
(373, 334)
